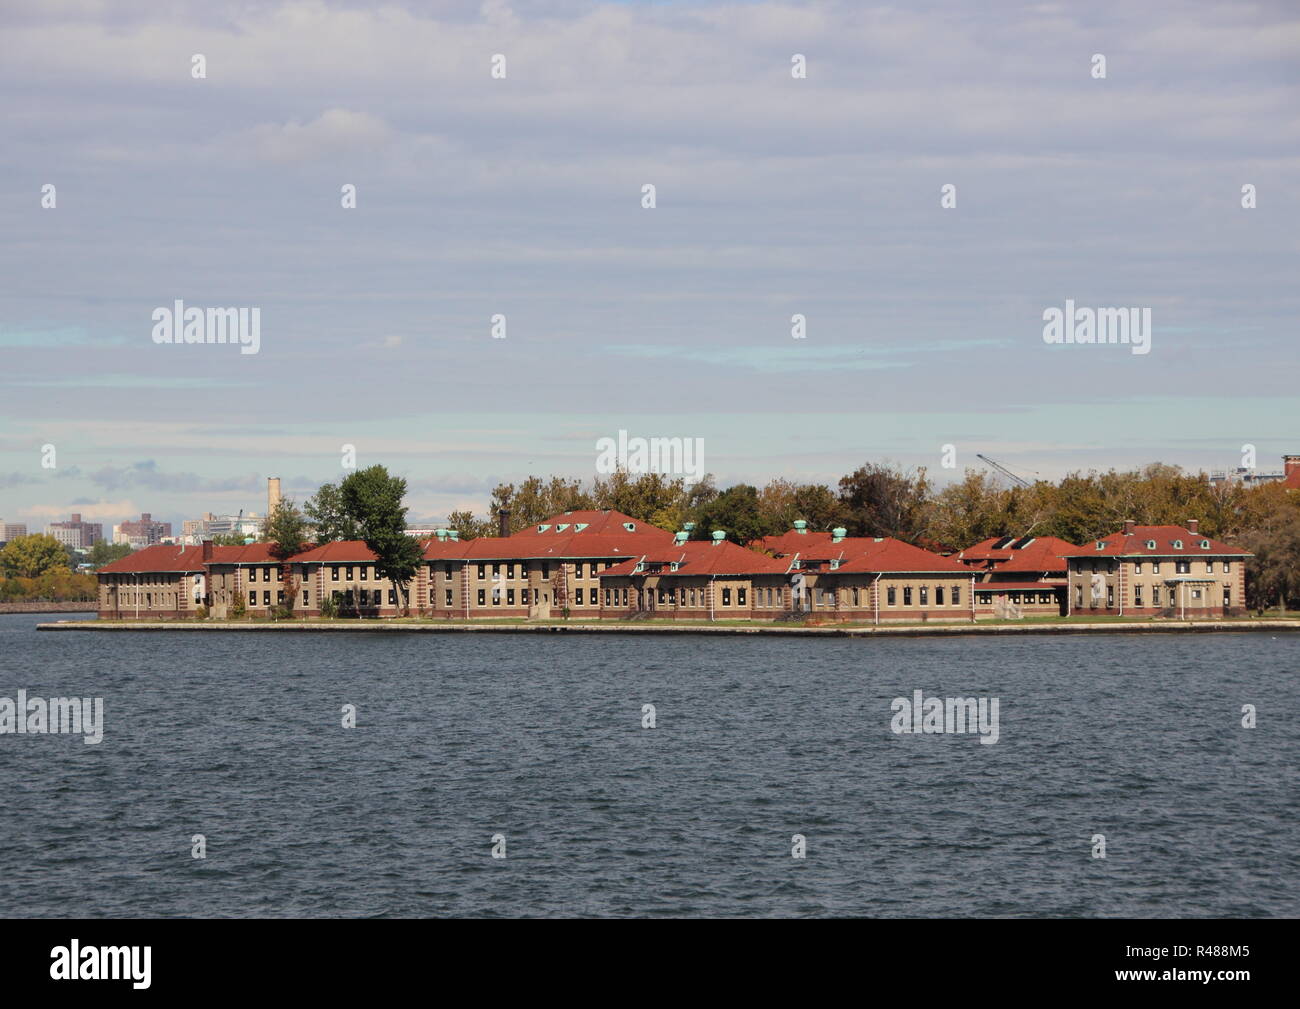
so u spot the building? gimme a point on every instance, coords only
(75, 533)
(1019, 576)
(1157, 571)
(12, 530)
(142, 532)
(195, 531)
(842, 577)
(1290, 475)
(697, 580)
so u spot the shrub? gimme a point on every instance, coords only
(238, 606)
(329, 608)
(200, 613)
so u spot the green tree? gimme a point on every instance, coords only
(735, 510)
(373, 500)
(329, 516)
(32, 556)
(104, 552)
(287, 531)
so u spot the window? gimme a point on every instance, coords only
(925, 595)
(348, 573)
(510, 597)
(1205, 544)
(1209, 567)
(607, 592)
(392, 597)
(624, 602)
(1227, 597)
(1110, 596)
(938, 595)
(252, 574)
(855, 597)
(449, 598)
(891, 596)
(577, 596)
(365, 572)
(482, 571)
(726, 597)
(1183, 567)
(546, 570)
(740, 597)
(956, 595)
(1155, 595)
(1151, 544)
(907, 595)
(1078, 597)
(446, 570)
(482, 597)
(306, 597)
(1101, 545)
(1014, 597)
(252, 598)
(363, 597)
(1155, 567)
(279, 596)
(1137, 595)
(1137, 567)
(1178, 544)
(334, 572)
(266, 598)
(1196, 593)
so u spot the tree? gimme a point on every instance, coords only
(329, 517)
(880, 499)
(736, 511)
(104, 552)
(373, 501)
(32, 556)
(286, 529)
(228, 539)
(467, 526)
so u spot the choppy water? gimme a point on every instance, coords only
(539, 738)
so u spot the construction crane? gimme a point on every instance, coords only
(1003, 470)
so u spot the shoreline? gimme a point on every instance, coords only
(911, 630)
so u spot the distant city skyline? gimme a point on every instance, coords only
(522, 197)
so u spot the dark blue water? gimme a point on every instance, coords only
(459, 737)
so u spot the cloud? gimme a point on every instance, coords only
(335, 131)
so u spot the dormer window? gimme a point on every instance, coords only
(579, 526)
(1101, 544)
(630, 526)
(543, 527)
(1151, 544)
(1178, 544)
(1205, 544)
(560, 527)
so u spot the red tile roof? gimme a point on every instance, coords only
(1134, 544)
(1043, 553)
(603, 534)
(891, 555)
(704, 557)
(792, 542)
(339, 552)
(162, 557)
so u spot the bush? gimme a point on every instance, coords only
(200, 613)
(282, 612)
(329, 608)
(238, 606)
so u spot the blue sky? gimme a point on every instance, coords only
(522, 197)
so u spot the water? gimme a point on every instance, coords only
(460, 737)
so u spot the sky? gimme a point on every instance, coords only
(522, 196)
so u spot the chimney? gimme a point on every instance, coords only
(272, 493)
(1128, 527)
(207, 551)
(719, 537)
(1290, 463)
(838, 533)
(1192, 524)
(801, 526)
(503, 522)
(76, 516)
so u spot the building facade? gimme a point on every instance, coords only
(76, 533)
(141, 532)
(1019, 576)
(1157, 571)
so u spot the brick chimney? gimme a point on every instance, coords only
(503, 522)
(1192, 524)
(1128, 527)
(207, 551)
(272, 493)
(1290, 463)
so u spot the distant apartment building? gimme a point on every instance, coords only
(12, 530)
(75, 533)
(142, 532)
(195, 531)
